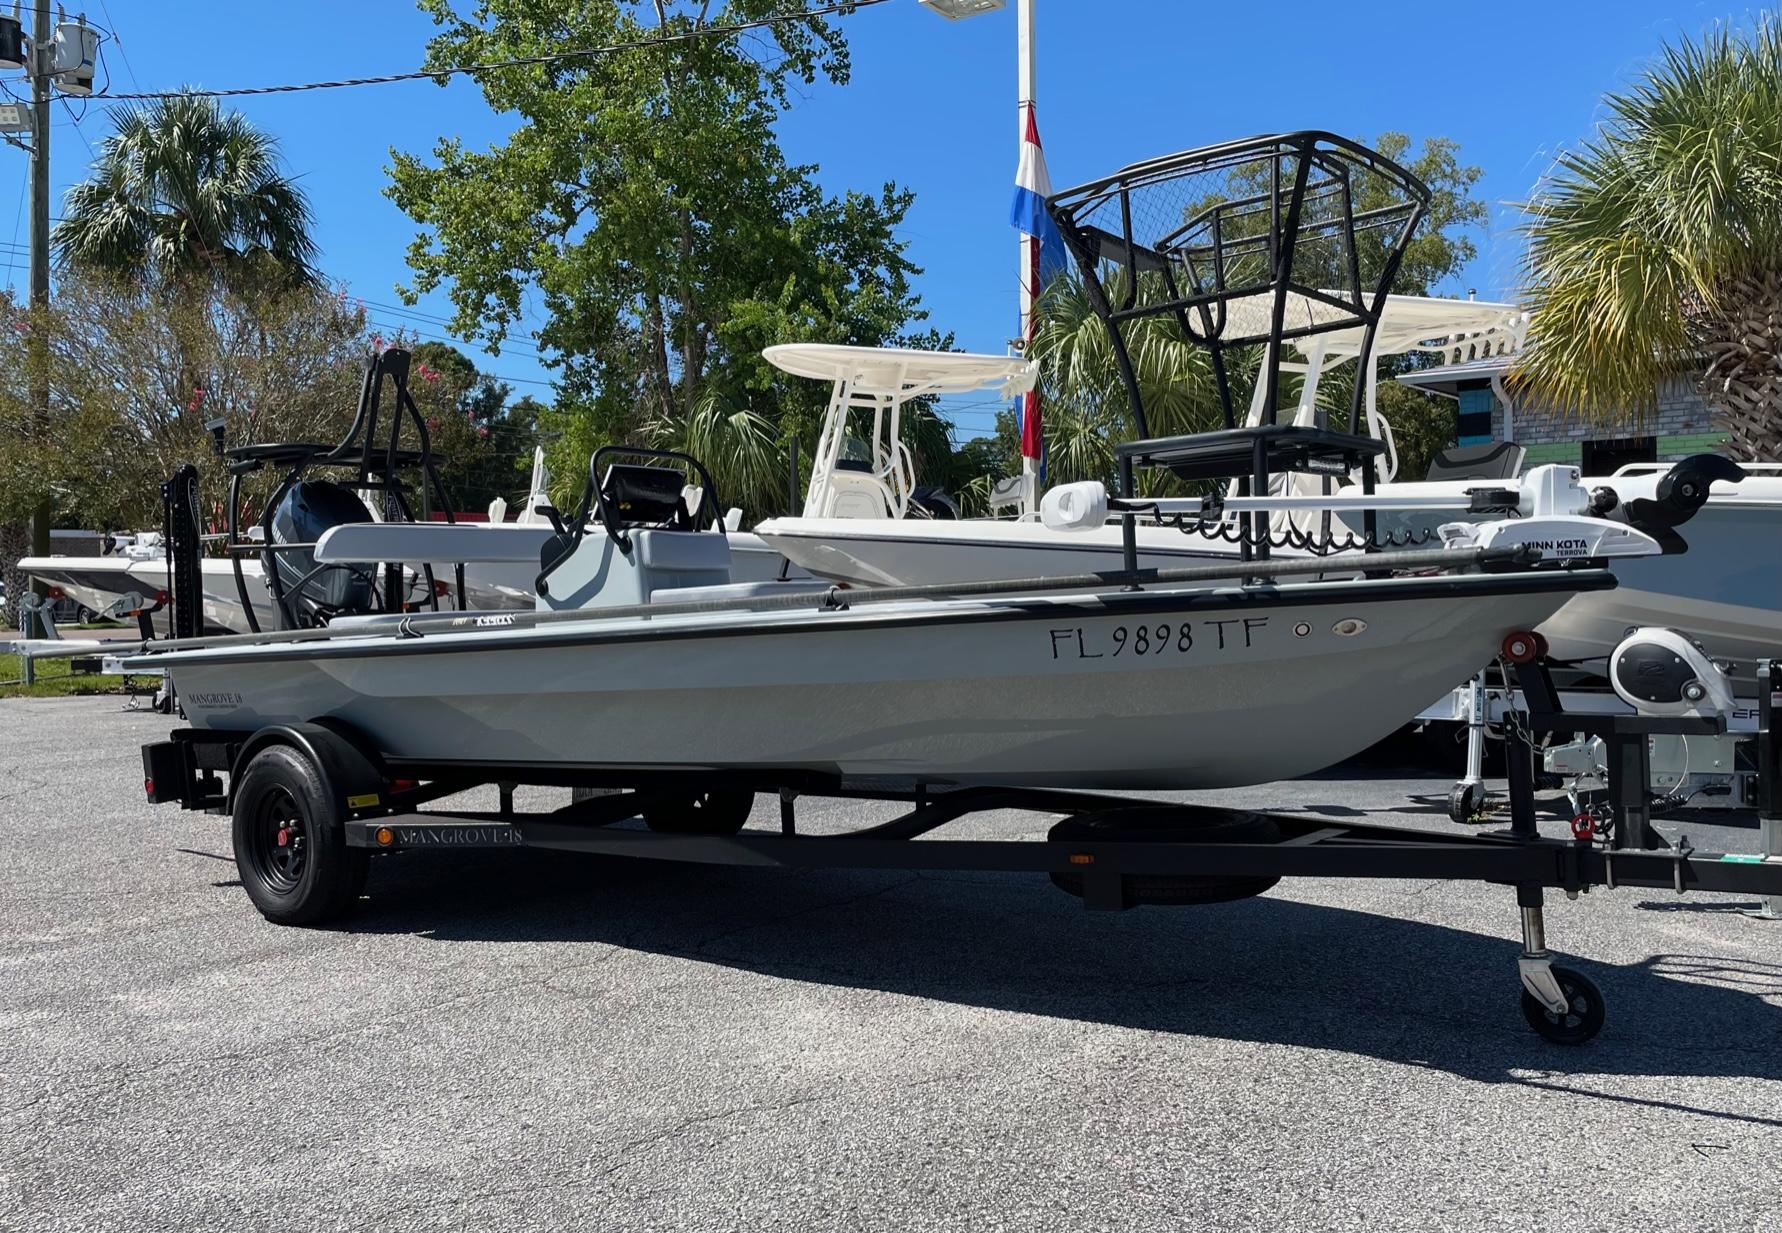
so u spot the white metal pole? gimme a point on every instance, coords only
(1025, 91)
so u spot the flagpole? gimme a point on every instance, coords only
(1028, 244)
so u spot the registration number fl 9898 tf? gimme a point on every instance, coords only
(1155, 638)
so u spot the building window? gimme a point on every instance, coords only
(1476, 406)
(1607, 456)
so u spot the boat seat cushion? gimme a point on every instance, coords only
(682, 550)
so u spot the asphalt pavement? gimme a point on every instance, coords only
(522, 1040)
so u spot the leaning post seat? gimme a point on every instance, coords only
(1264, 449)
(1492, 460)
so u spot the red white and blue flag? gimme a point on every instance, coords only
(1045, 253)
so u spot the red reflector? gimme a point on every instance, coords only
(57, 593)
(403, 785)
(148, 786)
(441, 588)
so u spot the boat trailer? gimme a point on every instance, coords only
(312, 803)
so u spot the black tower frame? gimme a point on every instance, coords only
(1246, 243)
(375, 462)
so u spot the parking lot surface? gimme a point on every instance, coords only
(524, 1040)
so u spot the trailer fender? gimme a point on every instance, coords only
(352, 772)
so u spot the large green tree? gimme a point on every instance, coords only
(503, 432)
(1655, 247)
(643, 202)
(182, 188)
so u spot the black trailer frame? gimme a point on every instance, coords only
(366, 804)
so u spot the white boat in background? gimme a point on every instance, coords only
(860, 527)
(133, 576)
(501, 560)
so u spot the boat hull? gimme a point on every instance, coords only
(1221, 688)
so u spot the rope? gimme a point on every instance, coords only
(1322, 544)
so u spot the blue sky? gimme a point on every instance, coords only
(931, 105)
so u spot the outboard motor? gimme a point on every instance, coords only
(310, 508)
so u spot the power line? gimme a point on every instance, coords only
(402, 327)
(12, 259)
(106, 9)
(519, 348)
(77, 132)
(440, 74)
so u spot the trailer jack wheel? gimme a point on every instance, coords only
(701, 813)
(1465, 802)
(1580, 1021)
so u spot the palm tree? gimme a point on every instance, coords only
(1085, 408)
(1656, 247)
(738, 445)
(182, 189)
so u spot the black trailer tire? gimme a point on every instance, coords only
(1466, 803)
(1581, 1023)
(723, 812)
(1175, 824)
(290, 841)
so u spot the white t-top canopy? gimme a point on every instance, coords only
(1407, 323)
(904, 371)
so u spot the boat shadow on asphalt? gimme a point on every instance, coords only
(1268, 970)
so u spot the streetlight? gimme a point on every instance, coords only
(955, 10)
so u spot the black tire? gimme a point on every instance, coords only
(1465, 802)
(290, 841)
(1173, 824)
(702, 813)
(1581, 1023)
(85, 616)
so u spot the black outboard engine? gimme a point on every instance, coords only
(309, 509)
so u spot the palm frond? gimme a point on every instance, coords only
(1638, 235)
(739, 446)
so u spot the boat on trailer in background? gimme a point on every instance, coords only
(1717, 583)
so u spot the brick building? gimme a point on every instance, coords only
(1680, 425)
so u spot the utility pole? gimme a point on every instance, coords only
(41, 64)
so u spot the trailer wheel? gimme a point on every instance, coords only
(1579, 1024)
(290, 841)
(1465, 802)
(702, 813)
(1172, 824)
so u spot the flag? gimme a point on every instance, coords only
(1045, 253)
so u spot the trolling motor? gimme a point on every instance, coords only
(1680, 495)
(1550, 514)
